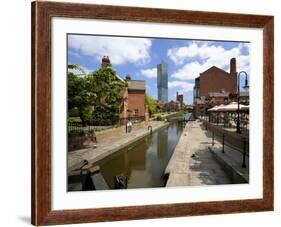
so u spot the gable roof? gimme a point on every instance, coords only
(119, 77)
(215, 68)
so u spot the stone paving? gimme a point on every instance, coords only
(231, 160)
(192, 163)
(106, 148)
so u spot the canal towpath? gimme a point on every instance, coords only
(105, 148)
(192, 163)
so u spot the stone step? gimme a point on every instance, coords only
(231, 162)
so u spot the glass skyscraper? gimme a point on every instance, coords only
(162, 82)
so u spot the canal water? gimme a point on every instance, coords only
(144, 162)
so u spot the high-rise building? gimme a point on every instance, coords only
(162, 82)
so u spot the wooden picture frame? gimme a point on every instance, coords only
(42, 13)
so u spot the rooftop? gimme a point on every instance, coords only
(244, 93)
(136, 85)
(218, 94)
(215, 68)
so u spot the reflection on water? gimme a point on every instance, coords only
(143, 162)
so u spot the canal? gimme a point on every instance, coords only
(144, 162)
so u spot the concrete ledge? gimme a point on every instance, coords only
(177, 162)
(231, 162)
(191, 163)
(93, 155)
(119, 147)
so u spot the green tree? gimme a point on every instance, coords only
(105, 87)
(77, 95)
(150, 102)
(96, 96)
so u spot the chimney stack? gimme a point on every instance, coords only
(233, 71)
(128, 77)
(105, 61)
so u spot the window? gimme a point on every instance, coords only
(136, 112)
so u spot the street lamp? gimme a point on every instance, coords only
(246, 86)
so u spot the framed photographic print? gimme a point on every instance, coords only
(144, 113)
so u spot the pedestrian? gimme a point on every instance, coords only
(130, 126)
(127, 127)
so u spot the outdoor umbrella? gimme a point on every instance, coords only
(216, 108)
(233, 106)
(245, 107)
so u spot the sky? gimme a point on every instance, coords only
(139, 57)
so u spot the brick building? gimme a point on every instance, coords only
(133, 103)
(133, 97)
(172, 106)
(218, 98)
(179, 99)
(136, 97)
(214, 85)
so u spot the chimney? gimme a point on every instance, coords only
(105, 61)
(233, 67)
(128, 77)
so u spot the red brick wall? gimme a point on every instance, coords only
(108, 134)
(78, 141)
(214, 79)
(136, 100)
(217, 100)
(124, 104)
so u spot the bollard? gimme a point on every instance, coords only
(120, 182)
(244, 154)
(223, 143)
(150, 128)
(213, 139)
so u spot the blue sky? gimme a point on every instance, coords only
(139, 57)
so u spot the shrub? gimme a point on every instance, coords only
(159, 118)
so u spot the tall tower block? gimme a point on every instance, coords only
(162, 82)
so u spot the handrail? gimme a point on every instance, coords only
(222, 137)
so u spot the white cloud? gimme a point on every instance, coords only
(149, 73)
(203, 56)
(189, 71)
(182, 86)
(203, 50)
(243, 63)
(245, 46)
(119, 49)
(70, 52)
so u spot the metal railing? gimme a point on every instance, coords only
(99, 125)
(234, 142)
(78, 127)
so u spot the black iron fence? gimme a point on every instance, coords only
(76, 127)
(231, 140)
(99, 125)
(229, 119)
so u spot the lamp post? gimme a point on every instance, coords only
(246, 86)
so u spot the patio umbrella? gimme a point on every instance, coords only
(216, 108)
(245, 107)
(233, 106)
